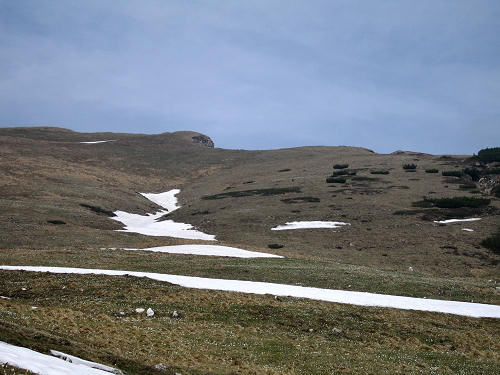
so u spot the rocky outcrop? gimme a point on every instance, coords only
(204, 140)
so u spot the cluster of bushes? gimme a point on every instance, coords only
(409, 167)
(432, 170)
(455, 202)
(488, 155)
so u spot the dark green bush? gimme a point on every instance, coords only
(56, 222)
(275, 246)
(468, 185)
(455, 202)
(490, 171)
(492, 243)
(333, 180)
(285, 170)
(409, 166)
(341, 166)
(249, 193)
(474, 173)
(489, 154)
(452, 173)
(98, 210)
(432, 170)
(343, 173)
(496, 191)
(379, 172)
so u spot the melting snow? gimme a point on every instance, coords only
(44, 364)
(94, 142)
(477, 310)
(310, 224)
(456, 220)
(150, 226)
(468, 229)
(213, 250)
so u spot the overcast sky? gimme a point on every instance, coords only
(259, 74)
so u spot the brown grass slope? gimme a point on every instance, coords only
(55, 194)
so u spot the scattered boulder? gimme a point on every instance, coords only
(139, 310)
(150, 312)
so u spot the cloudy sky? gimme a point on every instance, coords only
(414, 75)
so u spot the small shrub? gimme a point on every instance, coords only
(492, 243)
(489, 154)
(333, 180)
(249, 182)
(452, 173)
(98, 210)
(56, 222)
(379, 172)
(341, 166)
(275, 246)
(409, 166)
(285, 170)
(432, 170)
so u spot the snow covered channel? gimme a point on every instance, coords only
(310, 225)
(43, 364)
(456, 220)
(477, 310)
(149, 224)
(212, 250)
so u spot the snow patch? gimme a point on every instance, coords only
(310, 225)
(468, 229)
(44, 364)
(456, 220)
(477, 310)
(95, 142)
(79, 361)
(150, 225)
(210, 250)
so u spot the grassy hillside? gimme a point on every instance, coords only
(56, 195)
